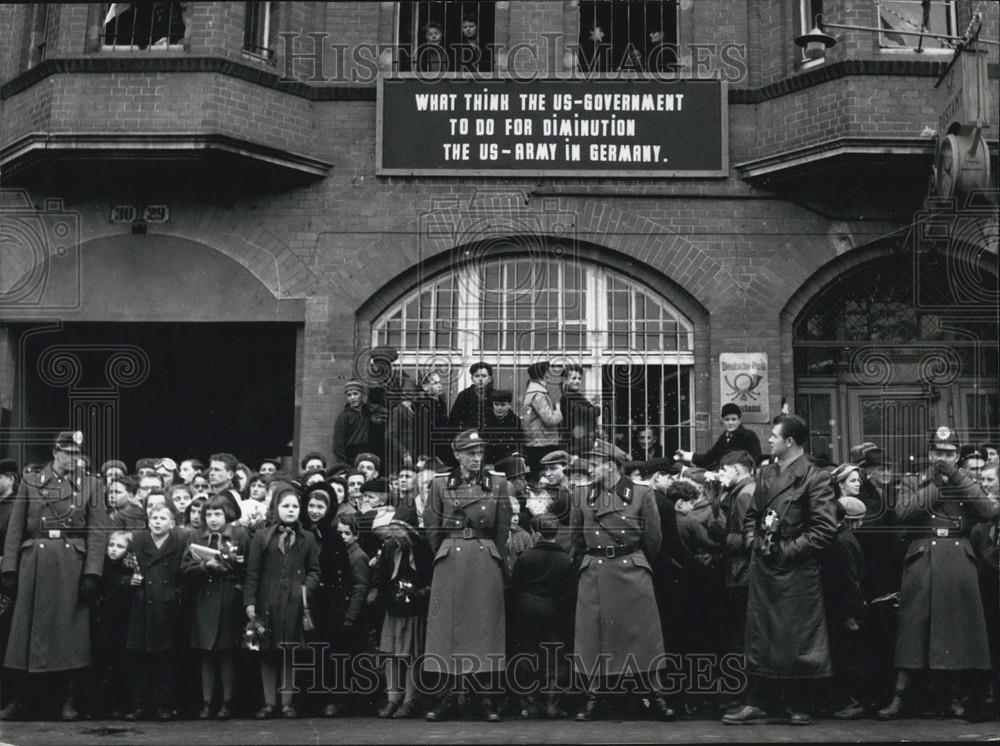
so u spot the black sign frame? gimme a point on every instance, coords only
(722, 172)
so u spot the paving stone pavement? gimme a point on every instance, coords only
(375, 731)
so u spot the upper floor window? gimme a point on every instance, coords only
(446, 36)
(258, 29)
(143, 25)
(895, 17)
(628, 35)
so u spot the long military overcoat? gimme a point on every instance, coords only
(467, 525)
(55, 536)
(617, 620)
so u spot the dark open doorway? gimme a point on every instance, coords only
(209, 387)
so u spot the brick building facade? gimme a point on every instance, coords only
(290, 249)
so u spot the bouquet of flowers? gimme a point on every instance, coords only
(253, 635)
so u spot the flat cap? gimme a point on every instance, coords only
(555, 457)
(512, 466)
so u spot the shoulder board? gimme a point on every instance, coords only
(441, 474)
(496, 473)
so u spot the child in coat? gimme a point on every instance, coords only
(843, 572)
(216, 588)
(110, 627)
(284, 559)
(403, 586)
(156, 596)
(543, 587)
(355, 628)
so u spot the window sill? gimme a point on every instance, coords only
(270, 60)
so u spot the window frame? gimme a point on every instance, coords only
(406, 55)
(265, 51)
(615, 63)
(593, 355)
(102, 22)
(912, 48)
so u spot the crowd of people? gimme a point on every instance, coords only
(521, 564)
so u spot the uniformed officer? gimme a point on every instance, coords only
(467, 520)
(616, 536)
(941, 621)
(52, 561)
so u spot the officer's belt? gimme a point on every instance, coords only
(611, 552)
(458, 527)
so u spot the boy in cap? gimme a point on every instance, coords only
(734, 437)
(52, 561)
(368, 464)
(113, 469)
(502, 430)
(350, 433)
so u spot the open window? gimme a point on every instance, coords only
(446, 36)
(129, 26)
(897, 17)
(628, 35)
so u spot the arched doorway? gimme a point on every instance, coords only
(168, 348)
(635, 346)
(895, 347)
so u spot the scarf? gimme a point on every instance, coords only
(286, 538)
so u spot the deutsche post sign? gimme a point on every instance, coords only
(743, 378)
(555, 127)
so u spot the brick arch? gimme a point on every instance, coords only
(251, 244)
(630, 235)
(819, 280)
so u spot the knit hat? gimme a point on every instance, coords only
(730, 408)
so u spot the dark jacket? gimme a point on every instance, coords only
(130, 518)
(843, 567)
(360, 580)
(502, 436)
(109, 619)
(153, 617)
(410, 563)
(736, 501)
(471, 410)
(350, 434)
(418, 427)
(216, 594)
(741, 439)
(579, 425)
(545, 570)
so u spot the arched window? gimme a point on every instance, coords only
(895, 347)
(635, 347)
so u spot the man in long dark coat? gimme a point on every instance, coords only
(942, 627)
(616, 535)
(52, 562)
(789, 522)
